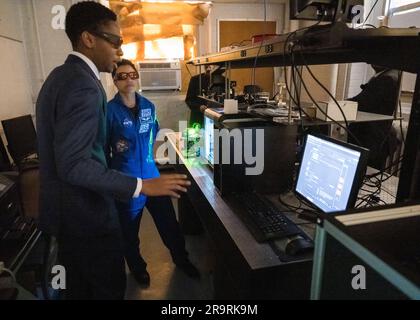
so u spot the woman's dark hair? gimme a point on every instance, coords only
(86, 16)
(123, 62)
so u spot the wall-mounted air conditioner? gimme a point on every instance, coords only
(160, 75)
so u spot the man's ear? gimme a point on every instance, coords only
(88, 40)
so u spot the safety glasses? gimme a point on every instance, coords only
(124, 75)
(114, 40)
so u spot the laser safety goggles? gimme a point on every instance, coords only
(114, 40)
(124, 75)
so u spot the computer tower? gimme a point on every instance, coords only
(272, 146)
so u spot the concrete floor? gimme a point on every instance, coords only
(167, 282)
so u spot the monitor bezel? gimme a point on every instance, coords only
(208, 162)
(359, 175)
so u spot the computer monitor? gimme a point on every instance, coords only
(21, 137)
(209, 140)
(330, 173)
(5, 164)
(325, 10)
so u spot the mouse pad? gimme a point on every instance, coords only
(283, 257)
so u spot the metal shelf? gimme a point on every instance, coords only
(394, 48)
(336, 43)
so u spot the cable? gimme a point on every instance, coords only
(291, 96)
(332, 97)
(261, 44)
(297, 93)
(294, 68)
(370, 25)
(325, 89)
(284, 55)
(370, 12)
(289, 206)
(322, 111)
(401, 121)
(373, 196)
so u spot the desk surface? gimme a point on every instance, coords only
(258, 255)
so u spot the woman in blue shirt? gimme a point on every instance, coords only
(132, 127)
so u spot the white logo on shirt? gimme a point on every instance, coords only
(127, 123)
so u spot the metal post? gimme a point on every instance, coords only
(409, 183)
(229, 78)
(227, 95)
(318, 264)
(199, 80)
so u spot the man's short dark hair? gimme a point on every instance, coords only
(86, 16)
(123, 62)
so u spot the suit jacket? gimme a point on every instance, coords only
(192, 99)
(76, 187)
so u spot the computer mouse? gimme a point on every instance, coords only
(298, 245)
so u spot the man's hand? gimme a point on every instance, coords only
(166, 185)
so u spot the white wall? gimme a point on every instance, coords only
(47, 47)
(10, 20)
(358, 76)
(14, 82)
(361, 72)
(15, 86)
(406, 20)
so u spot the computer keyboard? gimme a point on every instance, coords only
(263, 219)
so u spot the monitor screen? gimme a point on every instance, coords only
(4, 159)
(330, 173)
(209, 140)
(21, 137)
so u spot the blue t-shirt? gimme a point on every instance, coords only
(130, 140)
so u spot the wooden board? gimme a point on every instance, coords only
(235, 32)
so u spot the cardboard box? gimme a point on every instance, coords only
(331, 109)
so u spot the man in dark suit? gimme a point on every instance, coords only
(192, 99)
(212, 85)
(76, 187)
(380, 95)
